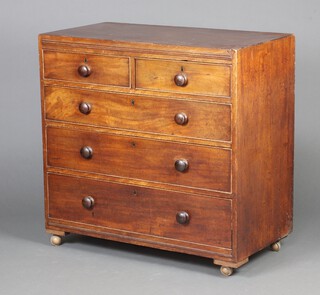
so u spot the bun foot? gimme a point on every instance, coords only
(226, 271)
(276, 246)
(56, 240)
(227, 267)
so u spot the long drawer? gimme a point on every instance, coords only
(146, 211)
(86, 68)
(132, 157)
(147, 114)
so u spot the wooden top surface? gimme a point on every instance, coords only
(166, 35)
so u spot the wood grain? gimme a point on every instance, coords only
(238, 141)
(141, 210)
(202, 78)
(164, 36)
(140, 113)
(140, 158)
(263, 145)
(107, 70)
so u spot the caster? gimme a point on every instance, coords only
(56, 240)
(276, 246)
(226, 271)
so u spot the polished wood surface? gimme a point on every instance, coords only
(141, 210)
(188, 130)
(202, 78)
(107, 70)
(265, 114)
(133, 157)
(140, 113)
(165, 35)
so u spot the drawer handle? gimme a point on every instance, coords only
(181, 165)
(181, 119)
(183, 217)
(88, 202)
(85, 108)
(86, 152)
(181, 79)
(84, 71)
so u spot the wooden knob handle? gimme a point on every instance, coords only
(88, 202)
(84, 71)
(181, 79)
(183, 217)
(181, 119)
(181, 165)
(86, 152)
(85, 108)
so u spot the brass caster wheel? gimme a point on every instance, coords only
(276, 246)
(55, 240)
(226, 271)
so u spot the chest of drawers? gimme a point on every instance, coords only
(174, 138)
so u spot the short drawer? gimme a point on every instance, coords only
(147, 114)
(143, 159)
(146, 211)
(86, 68)
(183, 77)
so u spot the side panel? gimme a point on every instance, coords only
(263, 144)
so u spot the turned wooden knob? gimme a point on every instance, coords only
(182, 217)
(85, 108)
(181, 119)
(181, 79)
(88, 202)
(84, 71)
(86, 152)
(181, 165)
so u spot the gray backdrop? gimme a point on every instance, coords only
(29, 265)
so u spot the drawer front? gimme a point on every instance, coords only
(146, 114)
(141, 210)
(206, 79)
(136, 158)
(106, 70)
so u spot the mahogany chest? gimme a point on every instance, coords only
(174, 138)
